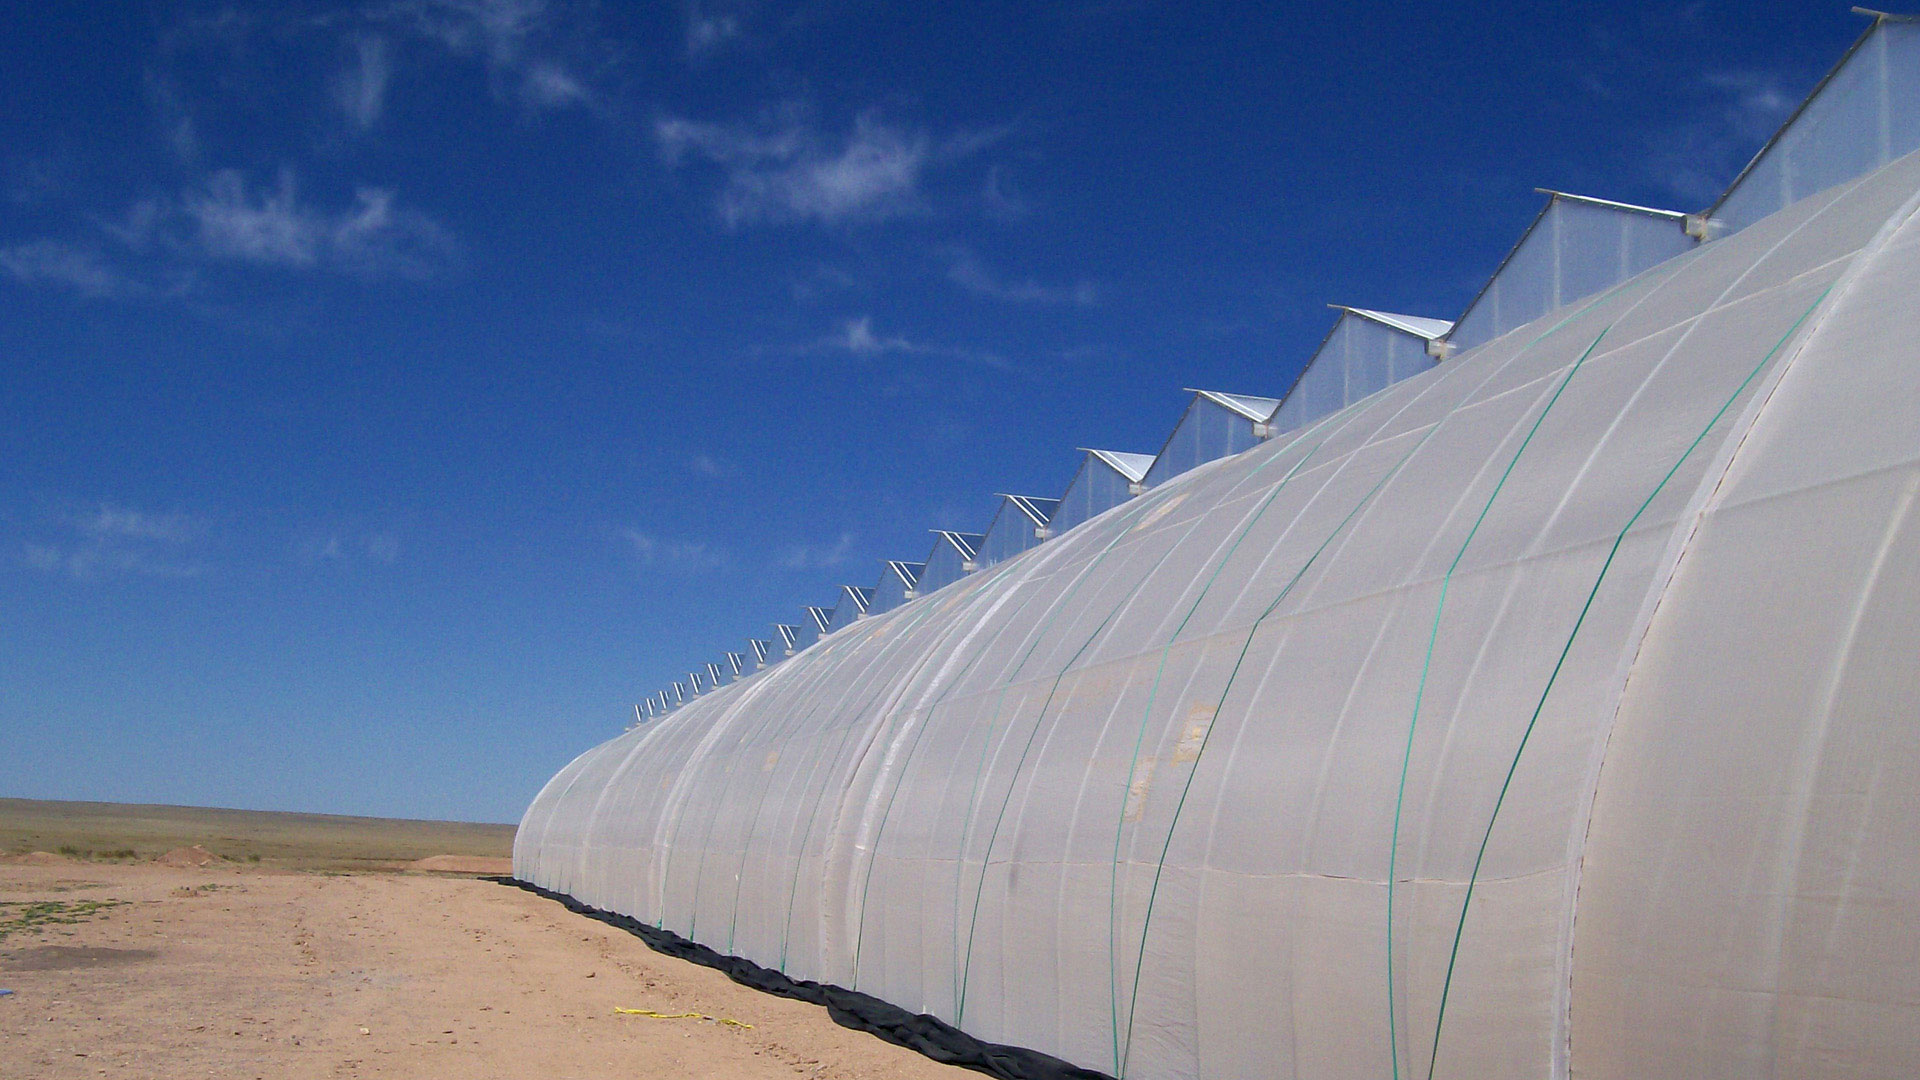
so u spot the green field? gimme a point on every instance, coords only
(126, 831)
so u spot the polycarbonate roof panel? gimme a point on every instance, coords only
(967, 544)
(1419, 327)
(1132, 466)
(1863, 114)
(906, 572)
(1253, 408)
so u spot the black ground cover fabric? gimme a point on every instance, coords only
(849, 1008)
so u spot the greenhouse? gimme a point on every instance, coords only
(1548, 712)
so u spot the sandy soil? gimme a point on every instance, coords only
(236, 971)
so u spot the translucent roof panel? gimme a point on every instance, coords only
(951, 559)
(1215, 425)
(1105, 479)
(1575, 248)
(897, 584)
(1365, 352)
(813, 624)
(758, 650)
(1865, 113)
(786, 640)
(1022, 522)
(854, 602)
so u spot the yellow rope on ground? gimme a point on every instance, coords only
(730, 1022)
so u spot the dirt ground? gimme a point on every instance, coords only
(141, 969)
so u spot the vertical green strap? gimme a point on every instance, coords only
(1200, 752)
(1120, 819)
(1560, 662)
(1426, 666)
(1006, 799)
(1121, 526)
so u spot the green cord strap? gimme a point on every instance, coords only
(1006, 800)
(1507, 782)
(1121, 526)
(1426, 665)
(1120, 819)
(1220, 705)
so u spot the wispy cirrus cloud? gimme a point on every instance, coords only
(820, 556)
(672, 555)
(157, 246)
(68, 265)
(971, 273)
(784, 169)
(1739, 110)
(230, 219)
(857, 336)
(360, 89)
(711, 26)
(110, 540)
(383, 548)
(527, 45)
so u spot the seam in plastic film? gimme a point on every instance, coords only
(1426, 665)
(1507, 782)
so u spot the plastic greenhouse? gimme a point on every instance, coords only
(898, 581)
(1547, 713)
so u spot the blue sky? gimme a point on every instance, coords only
(391, 393)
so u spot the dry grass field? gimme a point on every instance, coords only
(127, 832)
(341, 954)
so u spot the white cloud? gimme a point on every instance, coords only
(786, 171)
(517, 39)
(970, 273)
(112, 540)
(818, 556)
(857, 337)
(678, 556)
(53, 262)
(334, 548)
(118, 521)
(156, 246)
(361, 89)
(706, 465)
(228, 220)
(707, 30)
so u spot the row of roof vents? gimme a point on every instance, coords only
(1862, 115)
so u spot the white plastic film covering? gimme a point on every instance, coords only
(1358, 358)
(1866, 114)
(1573, 250)
(1549, 713)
